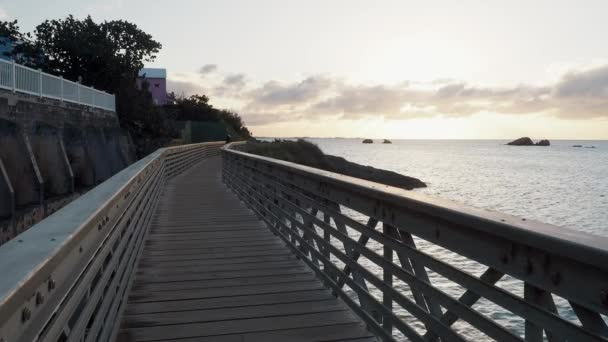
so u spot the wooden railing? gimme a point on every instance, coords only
(423, 269)
(67, 277)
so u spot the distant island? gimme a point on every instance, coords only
(306, 153)
(386, 141)
(368, 141)
(526, 141)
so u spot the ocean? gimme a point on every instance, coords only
(561, 184)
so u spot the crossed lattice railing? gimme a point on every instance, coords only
(425, 269)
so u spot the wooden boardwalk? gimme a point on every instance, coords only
(211, 271)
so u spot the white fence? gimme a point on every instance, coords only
(20, 78)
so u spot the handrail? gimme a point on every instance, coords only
(67, 277)
(19, 78)
(322, 216)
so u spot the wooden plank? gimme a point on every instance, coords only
(216, 253)
(139, 297)
(356, 332)
(227, 302)
(220, 275)
(210, 315)
(239, 326)
(277, 251)
(204, 284)
(224, 261)
(189, 269)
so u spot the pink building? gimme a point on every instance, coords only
(157, 80)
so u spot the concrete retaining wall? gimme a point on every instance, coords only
(50, 152)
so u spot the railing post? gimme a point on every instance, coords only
(40, 82)
(387, 277)
(14, 75)
(78, 88)
(61, 82)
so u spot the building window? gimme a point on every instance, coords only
(156, 85)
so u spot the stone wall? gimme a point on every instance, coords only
(50, 152)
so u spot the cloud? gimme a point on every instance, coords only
(231, 86)
(577, 94)
(591, 83)
(236, 80)
(276, 93)
(208, 69)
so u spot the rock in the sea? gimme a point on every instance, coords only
(577, 145)
(525, 141)
(386, 141)
(368, 141)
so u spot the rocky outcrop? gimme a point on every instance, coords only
(525, 141)
(345, 167)
(368, 141)
(386, 141)
(543, 142)
(307, 153)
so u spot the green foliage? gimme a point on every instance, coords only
(197, 108)
(235, 123)
(101, 55)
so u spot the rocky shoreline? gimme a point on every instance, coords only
(309, 154)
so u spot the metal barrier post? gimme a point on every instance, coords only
(61, 82)
(14, 76)
(40, 82)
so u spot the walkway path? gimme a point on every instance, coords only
(211, 271)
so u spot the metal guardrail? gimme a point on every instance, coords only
(66, 278)
(390, 265)
(16, 77)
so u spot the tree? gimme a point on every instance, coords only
(22, 48)
(103, 55)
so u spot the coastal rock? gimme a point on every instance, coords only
(345, 167)
(526, 141)
(307, 153)
(577, 145)
(386, 141)
(368, 141)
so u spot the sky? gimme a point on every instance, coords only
(379, 69)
